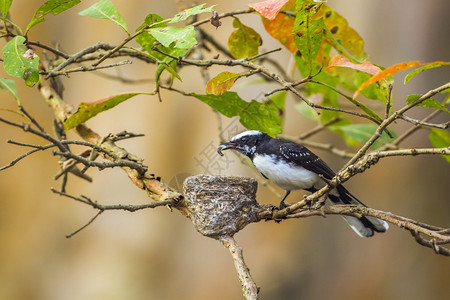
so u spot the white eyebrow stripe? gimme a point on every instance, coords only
(245, 133)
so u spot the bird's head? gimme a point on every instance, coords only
(244, 142)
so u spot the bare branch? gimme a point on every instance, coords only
(249, 287)
(86, 69)
(424, 123)
(413, 129)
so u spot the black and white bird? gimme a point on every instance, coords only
(293, 167)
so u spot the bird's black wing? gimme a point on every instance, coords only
(301, 156)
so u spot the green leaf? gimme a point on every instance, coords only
(430, 102)
(181, 16)
(265, 118)
(183, 37)
(21, 62)
(9, 86)
(147, 42)
(440, 139)
(105, 9)
(278, 100)
(222, 82)
(4, 7)
(432, 65)
(361, 133)
(51, 6)
(308, 34)
(244, 41)
(307, 111)
(87, 111)
(253, 115)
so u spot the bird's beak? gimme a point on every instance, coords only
(225, 146)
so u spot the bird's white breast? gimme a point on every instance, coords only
(286, 175)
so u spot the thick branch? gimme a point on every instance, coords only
(347, 172)
(249, 287)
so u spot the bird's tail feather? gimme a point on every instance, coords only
(364, 226)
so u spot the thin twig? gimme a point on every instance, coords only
(319, 128)
(73, 58)
(87, 69)
(115, 49)
(424, 123)
(53, 50)
(12, 163)
(413, 129)
(224, 15)
(130, 207)
(86, 225)
(389, 100)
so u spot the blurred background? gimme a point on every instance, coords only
(157, 254)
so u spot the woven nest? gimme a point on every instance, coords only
(220, 205)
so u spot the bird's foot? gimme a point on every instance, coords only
(281, 207)
(308, 203)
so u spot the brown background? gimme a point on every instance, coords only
(155, 254)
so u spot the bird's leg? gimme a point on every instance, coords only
(308, 203)
(282, 204)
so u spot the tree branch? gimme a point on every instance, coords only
(249, 287)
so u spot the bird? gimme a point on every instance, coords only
(292, 166)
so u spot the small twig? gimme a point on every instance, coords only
(73, 58)
(207, 37)
(86, 69)
(319, 128)
(388, 103)
(130, 208)
(106, 164)
(413, 129)
(262, 54)
(32, 120)
(224, 15)
(424, 123)
(103, 58)
(55, 51)
(86, 225)
(12, 163)
(123, 79)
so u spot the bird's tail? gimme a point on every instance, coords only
(364, 226)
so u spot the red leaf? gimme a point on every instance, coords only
(268, 9)
(339, 60)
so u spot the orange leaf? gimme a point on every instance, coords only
(268, 9)
(339, 60)
(341, 31)
(282, 26)
(387, 73)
